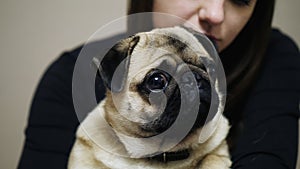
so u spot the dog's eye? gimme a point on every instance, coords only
(156, 82)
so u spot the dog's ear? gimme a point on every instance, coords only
(114, 65)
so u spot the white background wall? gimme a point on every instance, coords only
(33, 33)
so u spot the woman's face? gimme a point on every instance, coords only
(221, 20)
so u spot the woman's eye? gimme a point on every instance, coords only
(156, 82)
(242, 2)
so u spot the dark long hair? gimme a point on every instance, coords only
(242, 60)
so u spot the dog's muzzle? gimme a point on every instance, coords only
(184, 94)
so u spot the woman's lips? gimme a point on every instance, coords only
(214, 40)
(212, 37)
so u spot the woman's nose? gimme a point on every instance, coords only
(212, 12)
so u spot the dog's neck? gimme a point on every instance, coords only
(171, 156)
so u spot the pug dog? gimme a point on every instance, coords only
(159, 111)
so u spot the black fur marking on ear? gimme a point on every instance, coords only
(116, 63)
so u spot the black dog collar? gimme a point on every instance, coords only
(171, 156)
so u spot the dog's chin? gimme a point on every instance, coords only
(146, 144)
(141, 143)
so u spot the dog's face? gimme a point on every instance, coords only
(149, 77)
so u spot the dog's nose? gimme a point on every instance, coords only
(196, 83)
(193, 85)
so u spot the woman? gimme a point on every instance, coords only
(262, 68)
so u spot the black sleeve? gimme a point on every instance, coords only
(270, 135)
(52, 123)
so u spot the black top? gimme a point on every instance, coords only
(269, 138)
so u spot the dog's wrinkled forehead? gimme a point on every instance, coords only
(175, 41)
